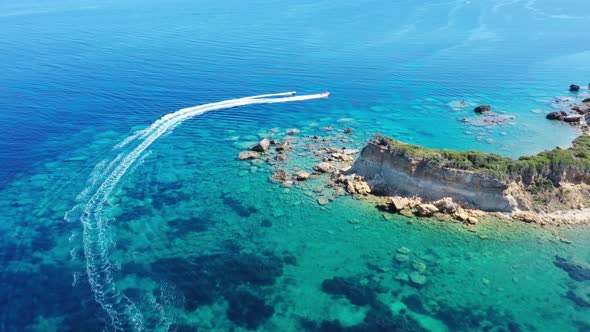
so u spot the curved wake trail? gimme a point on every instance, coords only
(123, 313)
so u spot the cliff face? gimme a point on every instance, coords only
(391, 171)
(484, 181)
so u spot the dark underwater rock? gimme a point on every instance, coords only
(236, 205)
(351, 288)
(289, 259)
(280, 175)
(248, 310)
(469, 318)
(378, 318)
(574, 87)
(208, 278)
(575, 270)
(180, 226)
(414, 302)
(182, 328)
(48, 292)
(580, 295)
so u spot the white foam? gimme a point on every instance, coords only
(122, 311)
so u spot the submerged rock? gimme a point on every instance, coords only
(280, 157)
(247, 310)
(280, 175)
(574, 87)
(414, 303)
(348, 131)
(293, 131)
(576, 270)
(282, 146)
(208, 278)
(419, 267)
(379, 317)
(246, 155)
(402, 276)
(323, 201)
(417, 279)
(351, 288)
(401, 258)
(580, 294)
(403, 250)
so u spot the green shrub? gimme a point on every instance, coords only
(533, 170)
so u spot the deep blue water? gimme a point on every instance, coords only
(77, 77)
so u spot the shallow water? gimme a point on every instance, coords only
(198, 240)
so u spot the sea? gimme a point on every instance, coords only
(118, 214)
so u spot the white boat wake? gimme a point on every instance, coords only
(123, 313)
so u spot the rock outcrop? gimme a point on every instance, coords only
(262, 146)
(476, 180)
(302, 176)
(323, 167)
(391, 171)
(572, 110)
(482, 109)
(246, 155)
(558, 115)
(353, 184)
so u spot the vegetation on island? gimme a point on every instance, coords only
(538, 172)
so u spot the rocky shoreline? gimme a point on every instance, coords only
(573, 112)
(551, 188)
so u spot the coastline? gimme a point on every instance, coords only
(550, 188)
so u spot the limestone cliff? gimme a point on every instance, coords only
(484, 181)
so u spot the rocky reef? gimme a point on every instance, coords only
(572, 113)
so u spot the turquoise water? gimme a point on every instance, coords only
(190, 238)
